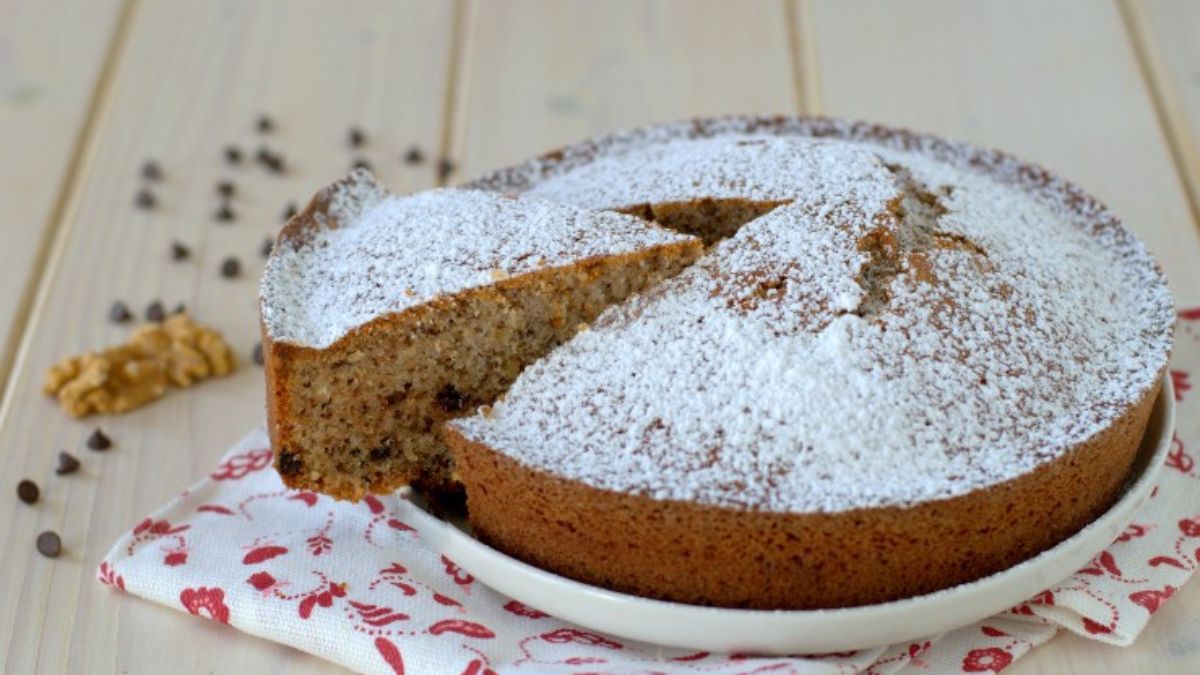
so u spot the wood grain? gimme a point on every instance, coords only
(538, 74)
(190, 78)
(1167, 33)
(53, 57)
(1055, 81)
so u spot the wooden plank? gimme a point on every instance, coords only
(191, 77)
(1167, 33)
(1056, 81)
(542, 73)
(52, 62)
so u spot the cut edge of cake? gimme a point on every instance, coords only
(363, 414)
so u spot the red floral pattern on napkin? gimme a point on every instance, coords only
(354, 584)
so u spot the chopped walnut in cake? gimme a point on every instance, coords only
(177, 351)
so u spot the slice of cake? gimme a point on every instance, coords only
(384, 316)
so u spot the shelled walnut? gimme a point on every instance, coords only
(176, 352)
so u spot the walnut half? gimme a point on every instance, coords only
(177, 351)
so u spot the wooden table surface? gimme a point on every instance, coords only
(1107, 92)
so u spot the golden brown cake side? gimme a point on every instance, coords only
(699, 554)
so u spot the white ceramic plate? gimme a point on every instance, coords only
(797, 632)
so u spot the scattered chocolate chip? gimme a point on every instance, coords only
(28, 492)
(145, 199)
(289, 464)
(381, 453)
(264, 124)
(49, 544)
(450, 399)
(179, 309)
(224, 214)
(361, 163)
(99, 440)
(67, 463)
(226, 188)
(119, 312)
(290, 211)
(155, 311)
(233, 154)
(357, 137)
(268, 245)
(414, 156)
(180, 251)
(256, 355)
(270, 159)
(445, 167)
(151, 171)
(231, 268)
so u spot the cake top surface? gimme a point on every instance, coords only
(742, 167)
(358, 252)
(922, 320)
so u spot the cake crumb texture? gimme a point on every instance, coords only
(384, 316)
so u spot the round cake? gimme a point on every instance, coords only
(902, 364)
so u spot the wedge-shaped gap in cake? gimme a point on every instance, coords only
(709, 218)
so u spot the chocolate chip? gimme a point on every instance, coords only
(28, 492)
(380, 454)
(256, 355)
(226, 188)
(67, 463)
(361, 163)
(264, 124)
(289, 464)
(179, 309)
(49, 544)
(270, 159)
(155, 311)
(145, 199)
(450, 399)
(151, 171)
(233, 154)
(445, 167)
(99, 441)
(180, 251)
(268, 245)
(357, 137)
(414, 156)
(289, 211)
(224, 214)
(231, 268)
(119, 312)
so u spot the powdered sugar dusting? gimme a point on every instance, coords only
(748, 167)
(368, 253)
(923, 320)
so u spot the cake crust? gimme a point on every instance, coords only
(708, 555)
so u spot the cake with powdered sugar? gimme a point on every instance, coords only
(903, 364)
(384, 316)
